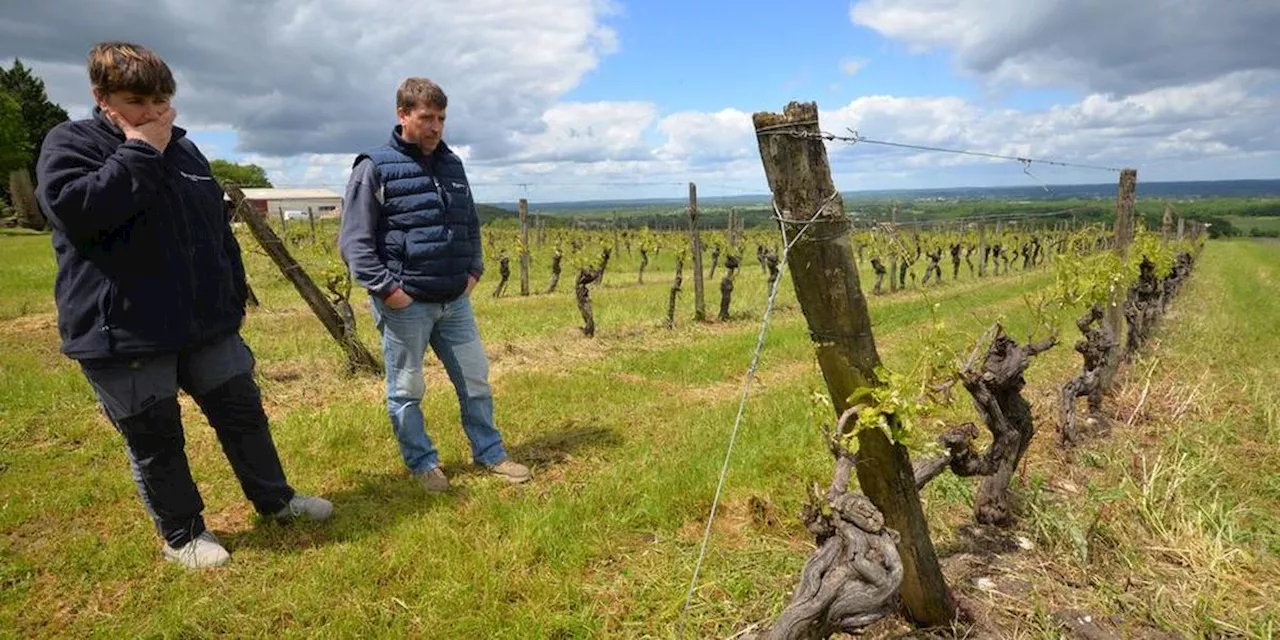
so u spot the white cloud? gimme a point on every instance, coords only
(306, 86)
(298, 77)
(587, 132)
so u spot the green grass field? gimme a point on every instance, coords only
(1168, 525)
(1262, 223)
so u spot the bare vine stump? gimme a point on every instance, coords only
(583, 296)
(644, 262)
(675, 291)
(1142, 306)
(504, 272)
(771, 261)
(726, 286)
(880, 271)
(955, 261)
(339, 286)
(555, 270)
(933, 270)
(715, 261)
(1094, 348)
(605, 253)
(996, 388)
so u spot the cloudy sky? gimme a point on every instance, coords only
(582, 99)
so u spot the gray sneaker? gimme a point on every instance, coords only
(311, 507)
(434, 480)
(512, 472)
(203, 552)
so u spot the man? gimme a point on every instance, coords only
(150, 294)
(411, 237)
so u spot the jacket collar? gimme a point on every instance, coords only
(105, 123)
(412, 149)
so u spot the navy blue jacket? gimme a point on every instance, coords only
(147, 262)
(409, 221)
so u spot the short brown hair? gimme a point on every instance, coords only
(124, 66)
(415, 92)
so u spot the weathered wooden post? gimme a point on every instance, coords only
(1181, 228)
(1123, 236)
(695, 247)
(831, 298)
(1166, 225)
(311, 218)
(358, 357)
(732, 231)
(524, 247)
(284, 229)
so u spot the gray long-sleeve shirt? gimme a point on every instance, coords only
(357, 239)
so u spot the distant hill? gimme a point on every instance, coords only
(488, 213)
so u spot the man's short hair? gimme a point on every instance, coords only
(417, 92)
(125, 66)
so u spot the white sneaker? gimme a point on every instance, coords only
(315, 509)
(203, 552)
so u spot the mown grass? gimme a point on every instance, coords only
(1261, 223)
(626, 433)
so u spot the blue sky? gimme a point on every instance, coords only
(703, 56)
(579, 99)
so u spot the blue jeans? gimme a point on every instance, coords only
(450, 328)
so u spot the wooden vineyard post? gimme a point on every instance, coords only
(311, 218)
(1123, 236)
(524, 247)
(695, 248)
(1166, 225)
(358, 357)
(1181, 228)
(831, 298)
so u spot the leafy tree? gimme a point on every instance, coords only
(15, 149)
(243, 175)
(1220, 227)
(39, 115)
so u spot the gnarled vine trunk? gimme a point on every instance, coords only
(726, 286)
(583, 295)
(504, 273)
(555, 271)
(1094, 348)
(996, 388)
(852, 580)
(675, 291)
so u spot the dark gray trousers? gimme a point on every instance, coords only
(140, 396)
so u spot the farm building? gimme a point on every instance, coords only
(294, 202)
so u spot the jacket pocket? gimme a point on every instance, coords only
(106, 308)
